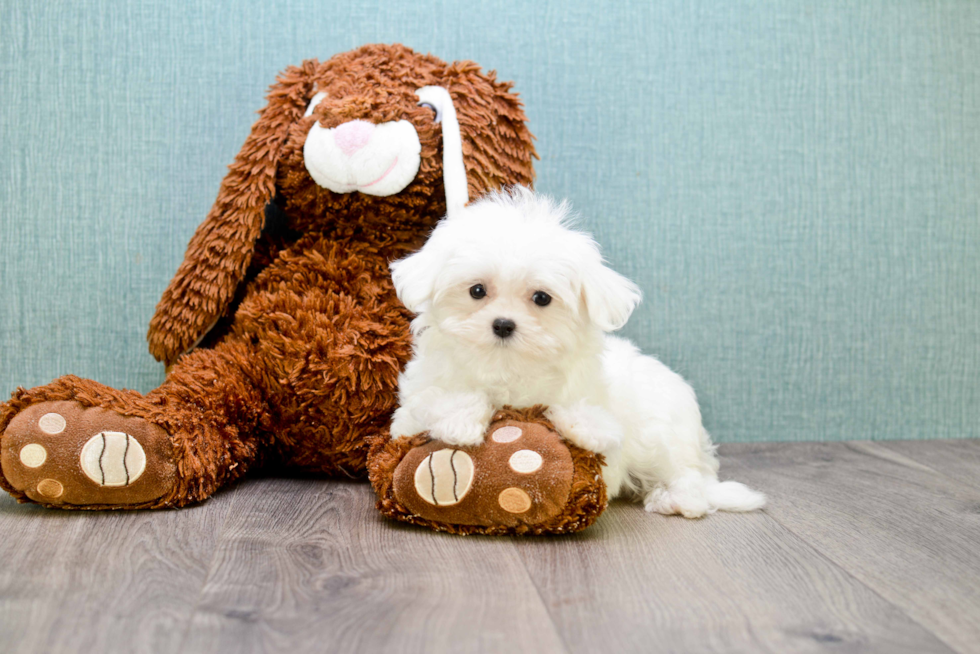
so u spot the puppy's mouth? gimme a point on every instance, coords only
(515, 341)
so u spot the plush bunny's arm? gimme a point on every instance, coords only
(221, 249)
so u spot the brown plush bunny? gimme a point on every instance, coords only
(281, 330)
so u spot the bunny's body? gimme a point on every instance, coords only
(281, 330)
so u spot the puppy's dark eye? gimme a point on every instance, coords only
(477, 292)
(541, 298)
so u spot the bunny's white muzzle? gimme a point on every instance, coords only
(383, 159)
(361, 156)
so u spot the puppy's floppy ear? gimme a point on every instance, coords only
(609, 297)
(414, 277)
(221, 249)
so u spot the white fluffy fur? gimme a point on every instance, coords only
(603, 394)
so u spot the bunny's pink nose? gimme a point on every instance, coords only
(351, 137)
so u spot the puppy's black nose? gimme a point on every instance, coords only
(504, 327)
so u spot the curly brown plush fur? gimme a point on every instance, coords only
(375, 83)
(285, 288)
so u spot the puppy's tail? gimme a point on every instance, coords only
(733, 496)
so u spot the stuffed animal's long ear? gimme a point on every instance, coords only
(498, 149)
(221, 248)
(609, 297)
(414, 278)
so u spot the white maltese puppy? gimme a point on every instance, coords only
(514, 307)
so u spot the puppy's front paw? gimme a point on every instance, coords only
(587, 426)
(455, 418)
(457, 431)
(595, 441)
(404, 424)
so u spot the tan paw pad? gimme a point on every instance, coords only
(112, 458)
(444, 478)
(33, 455)
(525, 461)
(507, 434)
(52, 423)
(50, 488)
(514, 500)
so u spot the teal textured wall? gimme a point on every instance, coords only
(795, 185)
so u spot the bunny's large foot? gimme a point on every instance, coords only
(64, 454)
(523, 479)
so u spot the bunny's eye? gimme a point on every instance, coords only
(541, 298)
(314, 102)
(478, 292)
(435, 111)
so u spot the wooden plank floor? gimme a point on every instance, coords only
(865, 547)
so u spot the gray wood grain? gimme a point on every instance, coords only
(102, 581)
(868, 547)
(310, 566)
(956, 459)
(728, 583)
(903, 529)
